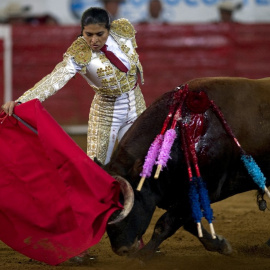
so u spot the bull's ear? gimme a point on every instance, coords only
(98, 162)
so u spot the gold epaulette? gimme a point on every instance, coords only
(123, 28)
(80, 51)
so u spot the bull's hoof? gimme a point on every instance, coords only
(219, 244)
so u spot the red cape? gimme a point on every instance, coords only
(54, 200)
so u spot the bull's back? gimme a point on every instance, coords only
(245, 104)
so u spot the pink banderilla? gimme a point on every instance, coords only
(170, 136)
(155, 147)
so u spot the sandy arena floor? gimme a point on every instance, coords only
(238, 219)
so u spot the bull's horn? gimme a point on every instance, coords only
(128, 194)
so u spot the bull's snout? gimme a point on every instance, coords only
(122, 251)
(128, 250)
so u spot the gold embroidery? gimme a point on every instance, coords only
(125, 88)
(121, 30)
(109, 70)
(125, 48)
(123, 80)
(112, 81)
(50, 84)
(106, 91)
(123, 27)
(80, 51)
(103, 58)
(118, 73)
(99, 127)
(100, 122)
(134, 57)
(119, 81)
(140, 103)
(133, 69)
(115, 82)
(100, 72)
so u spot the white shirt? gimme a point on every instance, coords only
(113, 47)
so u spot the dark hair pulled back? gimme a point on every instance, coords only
(95, 15)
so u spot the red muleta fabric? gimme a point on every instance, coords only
(54, 200)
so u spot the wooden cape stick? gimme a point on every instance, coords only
(24, 123)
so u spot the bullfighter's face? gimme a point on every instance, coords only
(95, 35)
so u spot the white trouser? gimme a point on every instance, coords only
(110, 118)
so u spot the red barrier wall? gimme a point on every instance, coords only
(170, 55)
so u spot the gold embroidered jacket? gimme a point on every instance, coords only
(97, 70)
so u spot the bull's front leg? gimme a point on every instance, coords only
(165, 227)
(219, 244)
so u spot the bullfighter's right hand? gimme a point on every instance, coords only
(9, 107)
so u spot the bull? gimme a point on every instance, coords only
(245, 104)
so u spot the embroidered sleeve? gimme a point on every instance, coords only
(80, 52)
(50, 84)
(123, 28)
